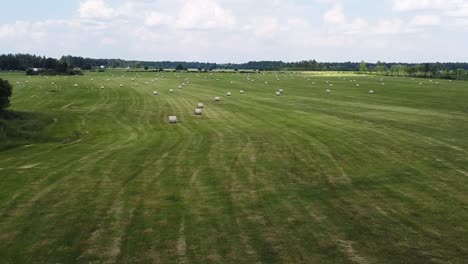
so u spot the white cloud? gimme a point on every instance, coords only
(154, 19)
(335, 16)
(204, 14)
(19, 28)
(96, 9)
(266, 26)
(240, 30)
(388, 26)
(457, 8)
(425, 20)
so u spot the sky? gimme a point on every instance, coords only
(238, 31)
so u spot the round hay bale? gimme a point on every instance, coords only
(172, 119)
(241, 91)
(200, 105)
(155, 92)
(280, 90)
(278, 93)
(198, 111)
(371, 91)
(331, 85)
(102, 87)
(171, 90)
(228, 94)
(357, 84)
(76, 85)
(217, 99)
(328, 91)
(121, 85)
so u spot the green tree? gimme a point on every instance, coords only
(61, 67)
(460, 73)
(363, 66)
(180, 67)
(6, 90)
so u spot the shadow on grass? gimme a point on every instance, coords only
(22, 128)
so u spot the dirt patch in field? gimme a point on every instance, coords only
(182, 244)
(29, 166)
(347, 248)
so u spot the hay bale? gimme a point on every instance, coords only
(155, 92)
(228, 94)
(200, 105)
(328, 91)
(171, 90)
(172, 119)
(76, 85)
(280, 90)
(217, 99)
(198, 111)
(241, 91)
(278, 93)
(371, 91)
(102, 87)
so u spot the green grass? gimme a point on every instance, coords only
(306, 177)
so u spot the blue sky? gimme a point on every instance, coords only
(239, 31)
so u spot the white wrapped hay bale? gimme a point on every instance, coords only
(155, 92)
(278, 93)
(371, 91)
(200, 105)
(172, 119)
(328, 91)
(241, 91)
(198, 111)
(171, 90)
(228, 93)
(217, 99)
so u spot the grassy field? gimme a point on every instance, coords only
(98, 175)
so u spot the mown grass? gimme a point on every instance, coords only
(98, 175)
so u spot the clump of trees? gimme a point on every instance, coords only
(452, 70)
(424, 70)
(6, 90)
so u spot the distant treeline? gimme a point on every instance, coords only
(432, 70)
